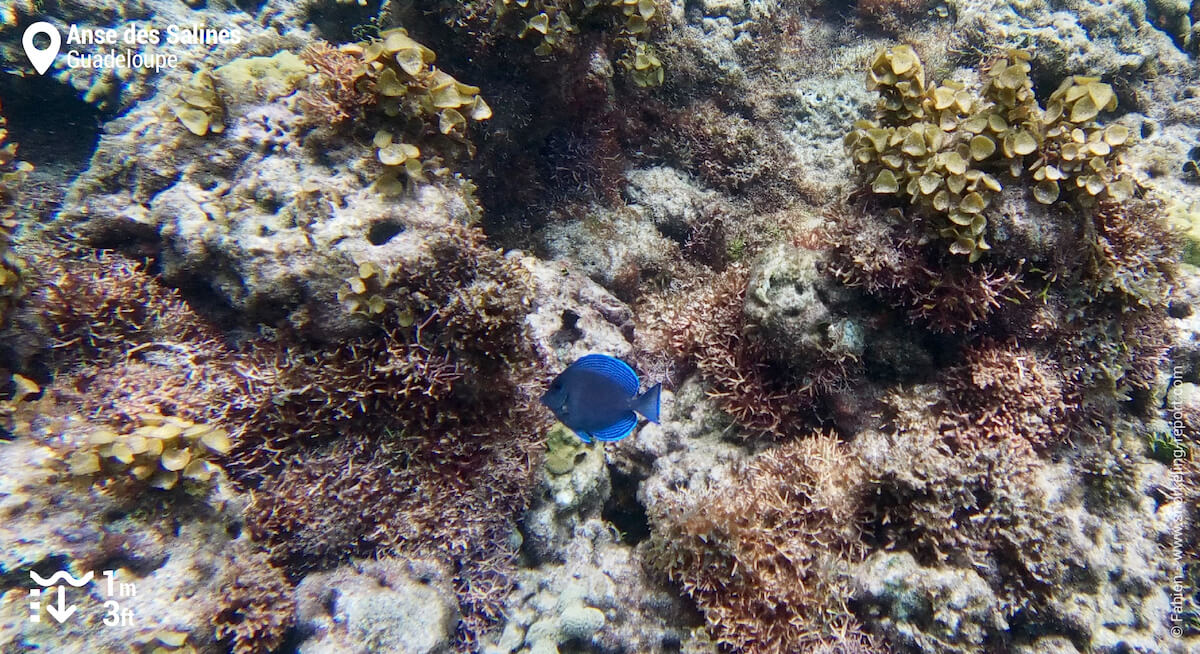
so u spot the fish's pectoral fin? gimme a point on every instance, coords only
(619, 430)
(583, 435)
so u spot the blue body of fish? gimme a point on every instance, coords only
(597, 397)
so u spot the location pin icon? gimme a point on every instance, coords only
(41, 59)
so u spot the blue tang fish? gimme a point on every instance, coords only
(597, 397)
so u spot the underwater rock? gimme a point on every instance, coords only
(116, 89)
(818, 109)
(168, 551)
(600, 598)
(1076, 37)
(384, 605)
(1063, 548)
(616, 247)
(932, 609)
(715, 34)
(684, 451)
(573, 489)
(674, 202)
(271, 224)
(390, 448)
(571, 315)
(1025, 226)
(1185, 314)
(804, 315)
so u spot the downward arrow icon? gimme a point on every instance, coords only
(62, 611)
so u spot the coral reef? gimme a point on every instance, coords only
(707, 329)
(1085, 39)
(598, 597)
(981, 508)
(396, 429)
(1049, 294)
(773, 342)
(1013, 529)
(225, 211)
(1031, 361)
(276, 360)
(437, 426)
(949, 605)
(571, 492)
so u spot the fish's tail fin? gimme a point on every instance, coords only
(647, 403)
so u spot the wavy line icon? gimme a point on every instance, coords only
(62, 575)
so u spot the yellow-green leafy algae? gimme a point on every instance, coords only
(371, 292)
(945, 149)
(160, 452)
(395, 75)
(644, 66)
(12, 173)
(163, 641)
(551, 23)
(363, 292)
(198, 105)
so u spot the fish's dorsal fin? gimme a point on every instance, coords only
(621, 429)
(611, 368)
